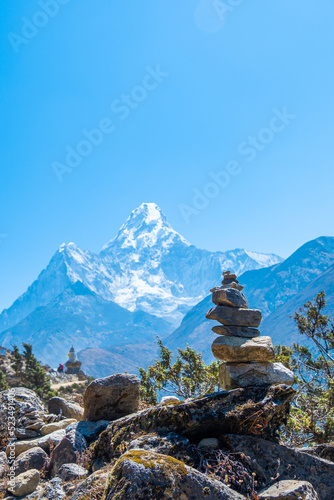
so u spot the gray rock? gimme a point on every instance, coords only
(271, 459)
(25, 434)
(215, 414)
(145, 475)
(50, 441)
(36, 458)
(66, 408)
(93, 486)
(25, 483)
(89, 430)
(240, 350)
(56, 426)
(3, 463)
(234, 316)
(112, 397)
(166, 400)
(229, 297)
(236, 331)
(233, 375)
(289, 490)
(72, 472)
(68, 451)
(53, 490)
(325, 451)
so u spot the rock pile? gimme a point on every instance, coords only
(248, 357)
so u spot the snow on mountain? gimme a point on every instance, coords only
(148, 266)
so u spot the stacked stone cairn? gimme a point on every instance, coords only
(248, 357)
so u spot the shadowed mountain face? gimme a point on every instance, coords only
(140, 285)
(278, 291)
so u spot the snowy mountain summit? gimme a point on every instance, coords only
(147, 267)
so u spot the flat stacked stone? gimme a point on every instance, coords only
(248, 358)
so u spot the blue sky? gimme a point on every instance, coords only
(222, 74)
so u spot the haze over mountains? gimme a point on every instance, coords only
(140, 285)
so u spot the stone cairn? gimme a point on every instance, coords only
(248, 357)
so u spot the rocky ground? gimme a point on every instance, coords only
(221, 446)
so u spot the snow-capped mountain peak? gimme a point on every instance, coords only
(146, 227)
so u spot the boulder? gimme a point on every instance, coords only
(25, 483)
(93, 486)
(36, 458)
(25, 434)
(271, 460)
(3, 463)
(166, 400)
(145, 475)
(21, 446)
(235, 316)
(112, 397)
(53, 490)
(56, 426)
(89, 430)
(224, 412)
(68, 451)
(50, 441)
(239, 350)
(289, 490)
(67, 408)
(236, 331)
(72, 472)
(233, 375)
(229, 297)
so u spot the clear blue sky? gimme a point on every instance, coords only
(225, 78)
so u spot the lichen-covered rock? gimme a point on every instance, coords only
(241, 350)
(144, 475)
(270, 460)
(171, 444)
(68, 451)
(325, 451)
(25, 483)
(66, 408)
(72, 472)
(111, 397)
(233, 375)
(93, 486)
(225, 412)
(289, 490)
(36, 458)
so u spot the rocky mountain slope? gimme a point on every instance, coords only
(141, 284)
(278, 291)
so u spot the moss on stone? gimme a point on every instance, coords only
(150, 460)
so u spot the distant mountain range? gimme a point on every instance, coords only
(111, 305)
(278, 291)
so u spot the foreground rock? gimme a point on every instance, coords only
(270, 460)
(36, 458)
(72, 472)
(66, 408)
(144, 475)
(289, 490)
(239, 350)
(111, 398)
(25, 483)
(68, 451)
(233, 375)
(3, 463)
(229, 297)
(224, 412)
(89, 430)
(235, 316)
(56, 426)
